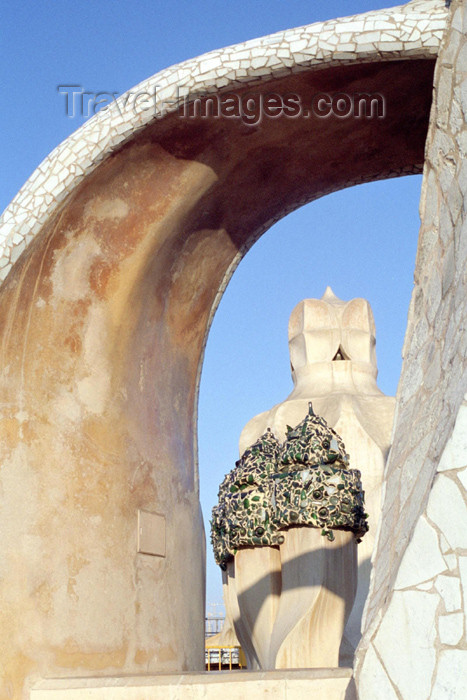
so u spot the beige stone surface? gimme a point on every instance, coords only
(289, 605)
(227, 636)
(319, 583)
(318, 684)
(255, 581)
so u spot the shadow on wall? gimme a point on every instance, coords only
(307, 598)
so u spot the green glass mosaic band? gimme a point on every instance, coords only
(305, 482)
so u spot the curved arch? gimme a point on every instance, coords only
(105, 313)
(374, 37)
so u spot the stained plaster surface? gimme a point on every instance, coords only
(415, 643)
(413, 31)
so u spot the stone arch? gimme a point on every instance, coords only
(116, 253)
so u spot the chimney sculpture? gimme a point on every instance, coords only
(290, 585)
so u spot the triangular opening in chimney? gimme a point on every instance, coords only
(340, 355)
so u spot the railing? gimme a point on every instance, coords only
(223, 658)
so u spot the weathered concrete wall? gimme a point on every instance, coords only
(90, 433)
(415, 645)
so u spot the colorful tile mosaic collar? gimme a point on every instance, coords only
(304, 482)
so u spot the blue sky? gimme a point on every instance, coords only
(361, 241)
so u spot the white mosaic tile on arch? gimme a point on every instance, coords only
(410, 31)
